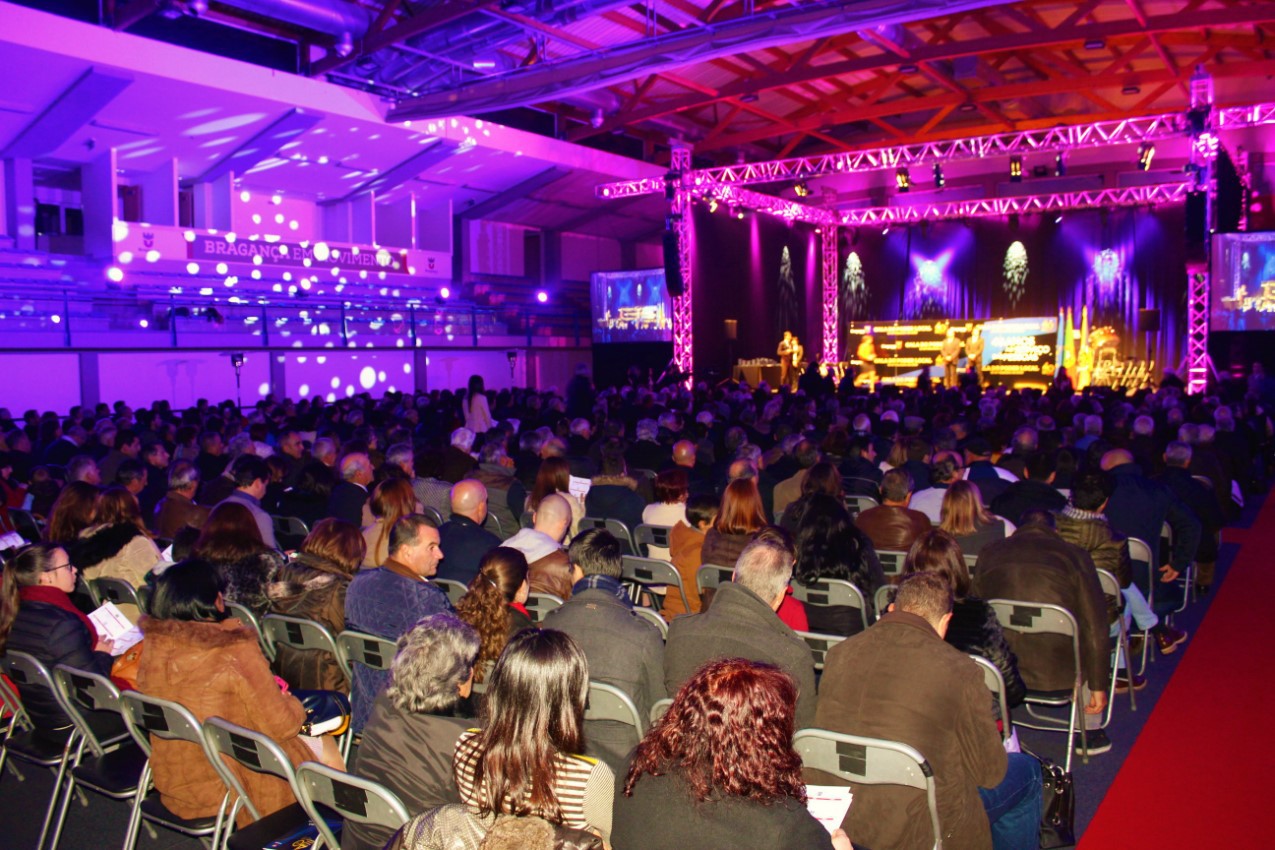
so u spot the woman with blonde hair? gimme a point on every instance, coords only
(117, 545)
(963, 516)
(554, 476)
(494, 604)
(392, 500)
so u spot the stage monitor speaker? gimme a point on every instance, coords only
(672, 265)
(732, 329)
(1196, 218)
(1149, 321)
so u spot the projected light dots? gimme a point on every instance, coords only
(1015, 272)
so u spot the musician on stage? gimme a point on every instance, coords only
(867, 357)
(785, 359)
(949, 353)
(974, 351)
(798, 361)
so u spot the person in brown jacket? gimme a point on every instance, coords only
(892, 525)
(686, 545)
(548, 568)
(178, 509)
(213, 666)
(901, 682)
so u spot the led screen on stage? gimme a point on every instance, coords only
(631, 307)
(1243, 284)
(1016, 352)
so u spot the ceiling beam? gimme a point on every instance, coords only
(438, 151)
(263, 145)
(435, 16)
(70, 111)
(497, 202)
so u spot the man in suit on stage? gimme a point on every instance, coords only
(949, 353)
(974, 352)
(798, 357)
(784, 353)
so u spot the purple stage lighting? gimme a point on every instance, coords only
(542, 296)
(115, 274)
(445, 293)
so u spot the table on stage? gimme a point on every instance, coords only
(754, 375)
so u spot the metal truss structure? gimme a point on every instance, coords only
(831, 301)
(1197, 327)
(680, 221)
(1133, 196)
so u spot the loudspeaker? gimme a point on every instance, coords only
(732, 329)
(1196, 217)
(1149, 321)
(672, 265)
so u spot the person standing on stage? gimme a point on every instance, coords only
(949, 353)
(785, 359)
(798, 357)
(867, 356)
(974, 352)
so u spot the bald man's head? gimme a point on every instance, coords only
(469, 499)
(684, 453)
(1114, 458)
(553, 516)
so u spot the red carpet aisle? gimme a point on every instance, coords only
(1199, 774)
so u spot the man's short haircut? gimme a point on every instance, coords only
(947, 467)
(926, 595)
(701, 508)
(123, 438)
(1144, 426)
(1178, 454)
(1038, 518)
(896, 485)
(596, 552)
(406, 530)
(1026, 440)
(765, 568)
(352, 463)
(324, 447)
(806, 453)
(491, 452)
(182, 474)
(1090, 489)
(463, 439)
(613, 458)
(78, 466)
(1040, 465)
(249, 468)
(400, 453)
(130, 471)
(151, 449)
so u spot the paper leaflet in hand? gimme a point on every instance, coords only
(828, 804)
(111, 623)
(579, 487)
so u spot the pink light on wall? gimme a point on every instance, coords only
(683, 318)
(831, 317)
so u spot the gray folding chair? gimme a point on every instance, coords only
(289, 531)
(352, 797)
(870, 761)
(971, 563)
(607, 702)
(112, 768)
(618, 530)
(996, 684)
(362, 648)
(1140, 554)
(252, 750)
(539, 604)
(645, 536)
(144, 599)
(659, 709)
(1111, 589)
(115, 590)
(654, 618)
(433, 514)
(710, 577)
(882, 598)
(829, 592)
(486, 667)
(249, 618)
(496, 526)
(147, 717)
(19, 724)
(1187, 579)
(454, 589)
(298, 633)
(892, 561)
(648, 573)
(858, 504)
(819, 645)
(1045, 619)
(25, 523)
(527, 519)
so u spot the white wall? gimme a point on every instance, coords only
(40, 381)
(181, 377)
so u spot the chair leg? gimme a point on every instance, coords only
(57, 787)
(60, 819)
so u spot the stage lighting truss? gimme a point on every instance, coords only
(831, 301)
(680, 217)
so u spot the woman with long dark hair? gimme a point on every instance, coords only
(554, 476)
(477, 412)
(524, 760)
(391, 500)
(719, 770)
(74, 511)
(823, 478)
(494, 604)
(231, 541)
(830, 545)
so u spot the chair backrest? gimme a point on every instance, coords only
(486, 667)
(115, 590)
(607, 702)
(81, 690)
(858, 504)
(24, 523)
(362, 648)
(971, 563)
(1140, 554)
(12, 703)
(26, 671)
(882, 598)
(869, 761)
(645, 536)
(1041, 619)
(712, 576)
(498, 527)
(144, 594)
(146, 716)
(618, 530)
(996, 684)
(454, 589)
(653, 572)
(539, 604)
(654, 617)
(253, 750)
(527, 520)
(289, 525)
(433, 514)
(819, 645)
(1140, 551)
(831, 591)
(1110, 584)
(250, 619)
(660, 708)
(352, 797)
(299, 633)
(892, 561)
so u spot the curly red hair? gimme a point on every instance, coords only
(729, 731)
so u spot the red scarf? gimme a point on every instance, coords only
(58, 599)
(518, 606)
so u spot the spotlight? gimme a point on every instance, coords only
(1015, 169)
(445, 292)
(713, 205)
(902, 179)
(801, 188)
(1058, 219)
(542, 296)
(1060, 165)
(345, 45)
(1146, 153)
(939, 180)
(115, 274)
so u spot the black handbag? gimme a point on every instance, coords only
(326, 712)
(1058, 807)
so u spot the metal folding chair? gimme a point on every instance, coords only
(352, 797)
(996, 684)
(659, 709)
(249, 618)
(18, 724)
(487, 667)
(711, 577)
(645, 536)
(252, 750)
(882, 598)
(832, 591)
(655, 619)
(498, 528)
(147, 716)
(539, 604)
(858, 504)
(870, 761)
(115, 590)
(819, 645)
(618, 530)
(892, 561)
(433, 514)
(646, 573)
(1111, 589)
(362, 648)
(607, 702)
(527, 519)
(111, 767)
(1045, 619)
(289, 531)
(454, 589)
(300, 633)
(1140, 560)
(1187, 579)
(25, 523)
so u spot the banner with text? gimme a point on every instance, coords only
(1016, 352)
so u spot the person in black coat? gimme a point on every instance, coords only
(462, 538)
(1202, 502)
(830, 546)
(1034, 491)
(613, 494)
(974, 628)
(350, 494)
(37, 617)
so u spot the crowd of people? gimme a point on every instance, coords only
(986, 493)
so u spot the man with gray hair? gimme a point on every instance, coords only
(83, 468)
(742, 623)
(350, 494)
(646, 452)
(506, 497)
(1200, 499)
(324, 451)
(178, 509)
(458, 458)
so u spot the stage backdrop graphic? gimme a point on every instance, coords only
(1243, 285)
(631, 306)
(1016, 352)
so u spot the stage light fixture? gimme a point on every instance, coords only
(1060, 165)
(1146, 153)
(1015, 169)
(1058, 219)
(713, 205)
(801, 189)
(542, 297)
(902, 179)
(939, 180)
